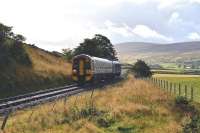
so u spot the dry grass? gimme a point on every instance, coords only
(130, 106)
(45, 71)
(45, 63)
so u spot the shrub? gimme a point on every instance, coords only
(180, 100)
(193, 126)
(141, 69)
(184, 104)
(106, 120)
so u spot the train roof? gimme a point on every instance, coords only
(96, 58)
(82, 55)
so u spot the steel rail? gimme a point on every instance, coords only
(34, 93)
(38, 98)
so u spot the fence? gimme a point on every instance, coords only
(177, 89)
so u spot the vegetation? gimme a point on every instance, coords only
(68, 54)
(134, 106)
(26, 68)
(190, 80)
(99, 46)
(183, 80)
(193, 124)
(11, 48)
(141, 69)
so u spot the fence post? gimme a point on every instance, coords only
(167, 86)
(163, 84)
(192, 94)
(186, 91)
(170, 88)
(5, 119)
(175, 88)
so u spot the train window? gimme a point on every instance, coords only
(75, 64)
(87, 64)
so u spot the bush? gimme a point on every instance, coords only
(141, 69)
(180, 100)
(184, 104)
(193, 126)
(106, 120)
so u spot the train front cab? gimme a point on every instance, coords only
(81, 69)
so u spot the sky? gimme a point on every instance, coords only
(58, 24)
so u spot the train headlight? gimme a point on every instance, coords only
(74, 71)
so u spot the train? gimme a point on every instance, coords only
(87, 68)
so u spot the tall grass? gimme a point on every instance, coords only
(45, 71)
(129, 106)
(47, 64)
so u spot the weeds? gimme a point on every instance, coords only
(108, 111)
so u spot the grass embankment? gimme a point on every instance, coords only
(127, 107)
(43, 70)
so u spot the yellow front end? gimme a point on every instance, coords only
(81, 71)
(74, 75)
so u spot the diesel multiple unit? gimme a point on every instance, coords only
(86, 68)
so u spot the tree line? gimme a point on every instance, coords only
(99, 46)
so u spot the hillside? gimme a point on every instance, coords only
(127, 107)
(35, 69)
(159, 53)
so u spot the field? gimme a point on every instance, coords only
(126, 107)
(189, 80)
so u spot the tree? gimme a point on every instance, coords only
(68, 54)
(12, 48)
(19, 38)
(141, 69)
(99, 46)
(5, 32)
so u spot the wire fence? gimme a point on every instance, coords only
(177, 89)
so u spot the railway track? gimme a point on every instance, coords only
(32, 99)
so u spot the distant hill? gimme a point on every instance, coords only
(158, 53)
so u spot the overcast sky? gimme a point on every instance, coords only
(57, 24)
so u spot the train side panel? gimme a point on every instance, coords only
(102, 68)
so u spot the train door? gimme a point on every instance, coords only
(81, 70)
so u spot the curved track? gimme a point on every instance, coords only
(31, 99)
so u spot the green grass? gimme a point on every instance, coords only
(169, 65)
(189, 80)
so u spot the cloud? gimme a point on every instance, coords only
(146, 32)
(194, 36)
(175, 18)
(123, 29)
(172, 4)
(56, 24)
(195, 1)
